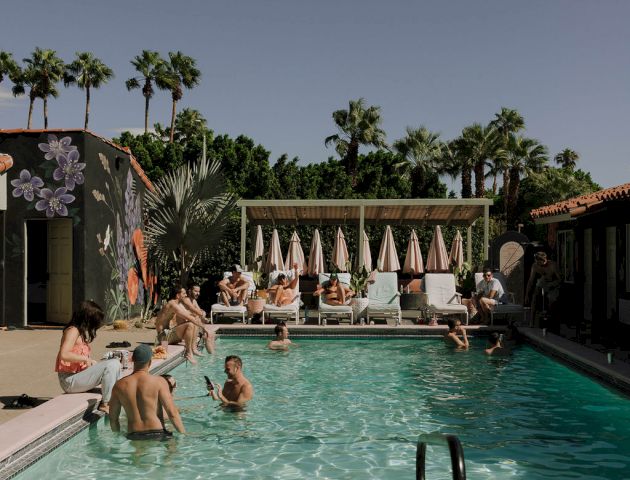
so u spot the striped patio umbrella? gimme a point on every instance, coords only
(274, 257)
(387, 256)
(437, 258)
(316, 264)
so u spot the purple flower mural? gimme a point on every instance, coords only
(69, 169)
(26, 185)
(54, 202)
(56, 147)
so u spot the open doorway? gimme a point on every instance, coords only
(48, 272)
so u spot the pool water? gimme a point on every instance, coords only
(353, 408)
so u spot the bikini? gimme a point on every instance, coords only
(162, 435)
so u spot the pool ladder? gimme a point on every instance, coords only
(454, 447)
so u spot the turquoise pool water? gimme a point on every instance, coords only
(350, 409)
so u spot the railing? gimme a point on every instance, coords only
(454, 447)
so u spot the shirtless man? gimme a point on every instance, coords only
(234, 288)
(190, 302)
(544, 274)
(184, 324)
(237, 390)
(454, 330)
(283, 292)
(281, 342)
(335, 292)
(144, 397)
(495, 345)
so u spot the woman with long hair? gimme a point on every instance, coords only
(77, 371)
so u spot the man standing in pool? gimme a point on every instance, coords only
(143, 397)
(281, 342)
(237, 390)
(455, 329)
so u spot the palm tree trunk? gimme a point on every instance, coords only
(352, 159)
(494, 184)
(87, 106)
(173, 120)
(30, 112)
(515, 180)
(146, 114)
(479, 180)
(466, 183)
(506, 189)
(45, 113)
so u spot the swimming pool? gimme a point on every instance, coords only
(353, 408)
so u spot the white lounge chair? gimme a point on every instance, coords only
(384, 298)
(442, 297)
(220, 308)
(292, 310)
(507, 305)
(333, 310)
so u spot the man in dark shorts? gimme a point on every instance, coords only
(144, 397)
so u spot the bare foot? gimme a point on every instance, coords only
(190, 358)
(197, 352)
(104, 407)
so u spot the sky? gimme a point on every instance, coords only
(275, 70)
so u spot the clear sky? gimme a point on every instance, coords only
(275, 70)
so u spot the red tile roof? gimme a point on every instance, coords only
(6, 162)
(134, 163)
(579, 205)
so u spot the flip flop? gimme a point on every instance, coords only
(21, 402)
(119, 344)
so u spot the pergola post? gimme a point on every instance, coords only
(469, 244)
(243, 233)
(360, 238)
(486, 231)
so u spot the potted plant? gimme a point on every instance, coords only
(465, 279)
(260, 280)
(359, 281)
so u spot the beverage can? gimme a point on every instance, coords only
(125, 359)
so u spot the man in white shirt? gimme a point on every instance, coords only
(489, 294)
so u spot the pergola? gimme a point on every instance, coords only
(360, 212)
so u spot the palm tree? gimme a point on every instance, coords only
(180, 72)
(480, 144)
(188, 211)
(8, 66)
(567, 159)
(455, 161)
(43, 70)
(508, 121)
(421, 148)
(357, 126)
(524, 155)
(87, 72)
(151, 68)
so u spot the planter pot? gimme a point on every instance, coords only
(261, 294)
(255, 305)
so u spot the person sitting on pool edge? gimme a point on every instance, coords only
(143, 397)
(335, 292)
(495, 345)
(237, 390)
(283, 292)
(454, 330)
(281, 342)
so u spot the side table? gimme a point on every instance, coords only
(412, 301)
(359, 308)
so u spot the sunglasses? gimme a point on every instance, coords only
(487, 274)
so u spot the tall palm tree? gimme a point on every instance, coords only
(151, 67)
(87, 72)
(456, 160)
(480, 144)
(43, 70)
(181, 71)
(8, 66)
(508, 121)
(357, 126)
(524, 155)
(421, 148)
(188, 211)
(567, 159)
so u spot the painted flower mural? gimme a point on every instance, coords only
(54, 203)
(26, 185)
(69, 169)
(56, 147)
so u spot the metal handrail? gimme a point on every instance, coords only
(454, 447)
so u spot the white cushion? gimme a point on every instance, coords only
(221, 308)
(448, 308)
(440, 288)
(324, 307)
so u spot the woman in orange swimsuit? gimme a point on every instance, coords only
(77, 371)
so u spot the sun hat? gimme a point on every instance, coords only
(333, 276)
(142, 354)
(236, 268)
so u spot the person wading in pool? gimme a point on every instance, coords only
(237, 390)
(144, 397)
(281, 342)
(455, 329)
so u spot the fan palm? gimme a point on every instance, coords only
(524, 155)
(187, 212)
(421, 148)
(152, 69)
(481, 144)
(456, 160)
(181, 71)
(8, 66)
(567, 159)
(357, 126)
(87, 72)
(508, 121)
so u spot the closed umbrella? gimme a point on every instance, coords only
(340, 252)
(413, 259)
(259, 250)
(295, 254)
(387, 256)
(274, 257)
(316, 264)
(437, 258)
(367, 255)
(456, 257)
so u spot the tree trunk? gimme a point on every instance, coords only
(30, 112)
(146, 114)
(173, 120)
(515, 180)
(352, 159)
(506, 189)
(45, 113)
(466, 183)
(480, 179)
(494, 184)
(87, 106)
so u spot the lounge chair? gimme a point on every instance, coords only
(233, 310)
(292, 310)
(384, 298)
(507, 305)
(442, 297)
(323, 309)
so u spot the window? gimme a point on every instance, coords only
(566, 255)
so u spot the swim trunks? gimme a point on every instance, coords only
(150, 435)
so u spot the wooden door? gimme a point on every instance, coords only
(59, 298)
(611, 270)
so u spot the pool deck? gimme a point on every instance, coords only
(27, 356)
